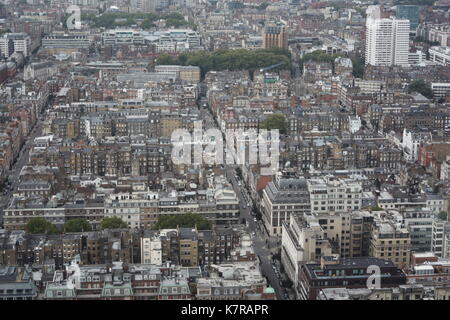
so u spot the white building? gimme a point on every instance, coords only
(151, 246)
(302, 241)
(416, 58)
(440, 55)
(411, 142)
(387, 39)
(127, 206)
(11, 43)
(354, 123)
(122, 37)
(440, 89)
(440, 242)
(331, 195)
(282, 199)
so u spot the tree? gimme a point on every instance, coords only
(443, 215)
(224, 59)
(113, 223)
(275, 121)
(358, 66)
(421, 87)
(239, 172)
(40, 225)
(263, 6)
(77, 225)
(187, 220)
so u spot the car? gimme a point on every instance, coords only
(255, 220)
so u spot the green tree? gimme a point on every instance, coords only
(443, 215)
(421, 87)
(77, 225)
(358, 66)
(275, 121)
(40, 225)
(187, 220)
(263, 6)
(239, 172)
(112, 223)
(224, 59)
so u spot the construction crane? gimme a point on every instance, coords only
(272, 66)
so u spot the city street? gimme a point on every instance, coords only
(260, 238)
(21, 161)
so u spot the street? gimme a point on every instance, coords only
(21, 161)
(260, 238)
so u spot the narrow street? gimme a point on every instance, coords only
(21, 161)
(255, 228)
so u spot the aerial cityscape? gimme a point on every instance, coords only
(224, 150)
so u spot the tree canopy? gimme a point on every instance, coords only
(145, 20)
(40, 225)
(77, 225)
(415, 2)
(227, 59)
(112, 223)
(275, 121)
(442, 215)
(186, 220)
(358, 66)
(421, 87)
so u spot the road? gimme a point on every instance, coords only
(260, 238)
(256, 229)
(21, 161)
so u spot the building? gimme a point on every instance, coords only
(65, 43)
(119, 37)
(440, 89)
(11, 43)
(275, 36)
(281, 199)
(392, 242)
(408, 12)
(387, 39)
(351, 273)
(17, 283)
(402, 292)
(303, 240)
(440, 55)
(185, 73)
(332, 195)
(440, 242)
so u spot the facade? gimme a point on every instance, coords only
(122, 37)
(281, 199)
(275, 35)
(348, 273)
(440, 55)
(387, 39)
(440, 89)
(391, 242)
(303, 240)
(11, 43)
(65, 43)
(408, 12)
(330, 195)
